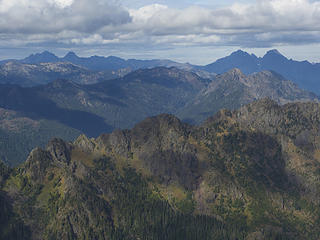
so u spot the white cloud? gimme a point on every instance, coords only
(93, 39)
(242, 23)
(44, 16)
(62, 3)
(92, 22)
(145, 13)
(274, 14)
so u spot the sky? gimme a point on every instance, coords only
(197, 32)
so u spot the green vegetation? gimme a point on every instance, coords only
(16, 145)
(66, 109)
(234, 177)
(132, 208)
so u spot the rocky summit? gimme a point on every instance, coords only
(251, 173)
(234, 89)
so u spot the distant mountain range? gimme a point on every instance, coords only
(246, 174)
(27, 75)
(45, 67)
(127, 168)
(120, 103)
(99, 63)
(234, 89)
(303, 73)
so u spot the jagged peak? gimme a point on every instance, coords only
(37, 163)
(274, 52)
(60, 150)
(235, 71)
(71, 55)
(84, 143)
(44, 53)
(44, 56)
(47, 53)
(82, 137)
(240, 53)
(162, 123)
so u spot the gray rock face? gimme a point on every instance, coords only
(59, 150)
(86, 144)
(37, 163)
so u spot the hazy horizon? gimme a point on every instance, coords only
(258, 53)
(198, 32)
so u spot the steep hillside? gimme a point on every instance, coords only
(73, 108)
(91, 109)
(233, 89)
(19, 134)
(246, 174)
(119, 103)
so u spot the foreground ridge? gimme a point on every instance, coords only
(251, 173)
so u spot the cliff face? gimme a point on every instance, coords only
(246, 174)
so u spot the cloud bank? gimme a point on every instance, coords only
(101, 22)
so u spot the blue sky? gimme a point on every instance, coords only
(198, 32)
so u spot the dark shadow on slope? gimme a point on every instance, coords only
(189, 121)
(111, 88)
(28, 102)
(169, 166)
(110, 100)
(11, 228)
